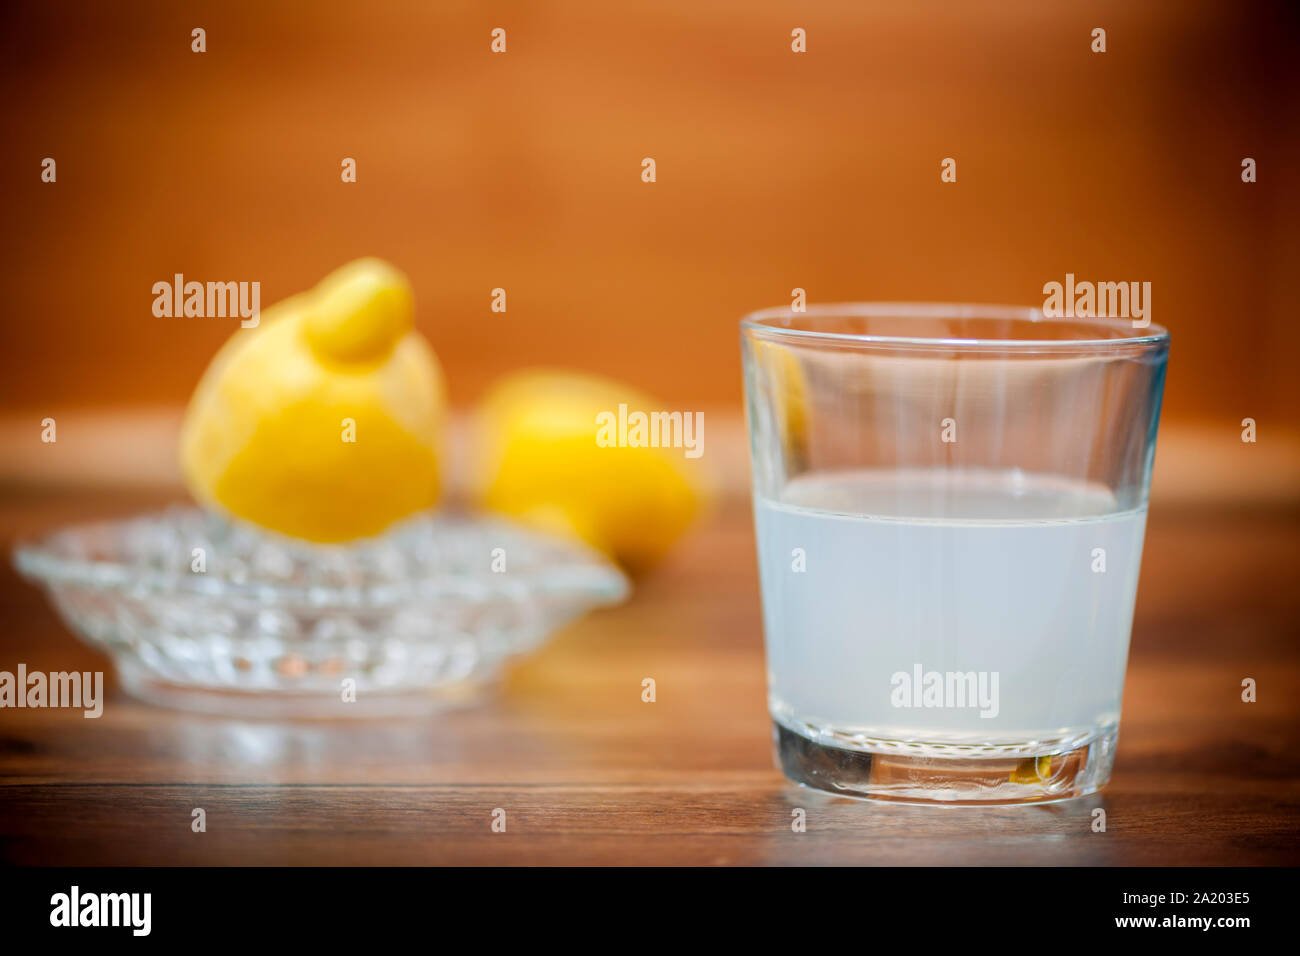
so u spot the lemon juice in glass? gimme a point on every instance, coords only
(950, 504)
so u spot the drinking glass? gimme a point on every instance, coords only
(949, 503)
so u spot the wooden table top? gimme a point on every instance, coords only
(589, 774)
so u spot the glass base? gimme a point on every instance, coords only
(142, 684)
(910, 778)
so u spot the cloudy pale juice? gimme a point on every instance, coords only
(882, 591)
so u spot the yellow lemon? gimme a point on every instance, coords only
(1032, 770)
(539, 461)
(322, 422)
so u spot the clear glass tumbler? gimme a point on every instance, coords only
(949, 502)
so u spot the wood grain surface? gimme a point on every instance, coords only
(588, 774)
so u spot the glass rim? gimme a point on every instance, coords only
(767, 323)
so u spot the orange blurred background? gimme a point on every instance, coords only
(523, 171)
